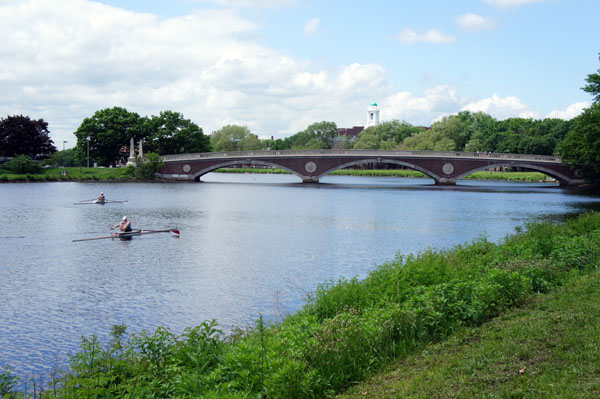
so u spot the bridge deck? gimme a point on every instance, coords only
(361, 153)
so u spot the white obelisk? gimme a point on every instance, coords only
(131, 159)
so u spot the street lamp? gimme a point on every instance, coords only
(64, 172)
(88, 151)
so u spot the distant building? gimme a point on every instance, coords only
(372, 115)
(372, 120)
(350, 132)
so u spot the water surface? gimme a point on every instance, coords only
(249, 245)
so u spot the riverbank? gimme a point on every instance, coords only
(545, 348)
(72, 174)
(352, 328)
(119, 174)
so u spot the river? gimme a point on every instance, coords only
(250, 245)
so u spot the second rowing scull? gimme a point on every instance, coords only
(128, 234)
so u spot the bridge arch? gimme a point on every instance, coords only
(562, 179)
(225, 164)
(427, 172)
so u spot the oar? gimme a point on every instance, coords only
(113, 235)
(90, 201)
(174, 231)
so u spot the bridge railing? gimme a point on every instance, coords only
(360, 153)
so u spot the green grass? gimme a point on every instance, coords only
(547, 348)
(509, 176)
(73, 173)
(262, 171)
(407, 313)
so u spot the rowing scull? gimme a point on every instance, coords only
(132, 233)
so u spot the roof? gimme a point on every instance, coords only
(373, 104)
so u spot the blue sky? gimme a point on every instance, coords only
(278, 65)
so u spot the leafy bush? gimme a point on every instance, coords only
(22, 164)
(148, 167)
(8, 383)
(130, 171)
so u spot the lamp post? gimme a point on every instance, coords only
(64, 172)
(88, 151)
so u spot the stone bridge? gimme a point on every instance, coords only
(444, 167)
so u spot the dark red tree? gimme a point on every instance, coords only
(20, 135)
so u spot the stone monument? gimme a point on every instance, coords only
(131, 159)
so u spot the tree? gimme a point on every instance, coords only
(234, 138)
(109, 131)
(582, 144)
(68, 157)
(171, 133)
(368, 139)
(385, 136)
(341, 143)
(323, 131)
(147, 167)
(276, 144)
(21, 135)
(593, 86)
(318, 136)
(430, 140)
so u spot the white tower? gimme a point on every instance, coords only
(372, 115)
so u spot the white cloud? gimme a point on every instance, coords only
(409, 36)
(570, 112)
(436, 102)
(311, 27)
(252, 3)
(63, 60)
(470, 22)
(501, 108)
(512, 3)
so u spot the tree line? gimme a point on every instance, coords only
(106, 135)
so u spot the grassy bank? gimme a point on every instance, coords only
(547, 348)
(508, 176)
(73, 174)
(350, 329)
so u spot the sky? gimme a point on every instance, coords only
(277, 66)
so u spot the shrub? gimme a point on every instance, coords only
(147, 168)
(129, 171)
(8, 383)
(22, 164)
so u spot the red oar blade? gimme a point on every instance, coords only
(175, 232)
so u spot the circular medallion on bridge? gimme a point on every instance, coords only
(186, 168)
(448, 168)
(310, 166)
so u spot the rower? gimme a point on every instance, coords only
(125, 225)
(101, 197)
